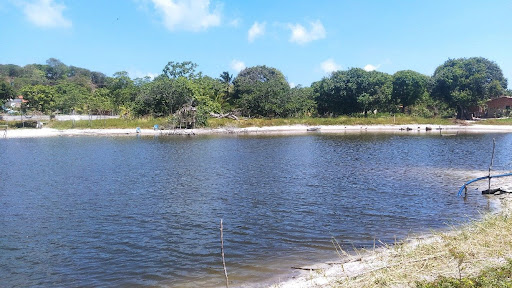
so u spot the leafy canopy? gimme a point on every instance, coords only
(408, 87)
(261, 91)
(466, 82)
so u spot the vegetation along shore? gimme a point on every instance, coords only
(186, 98)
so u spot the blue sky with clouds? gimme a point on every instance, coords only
(306, 40)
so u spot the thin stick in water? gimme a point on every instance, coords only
(222, 253)
(492, 161)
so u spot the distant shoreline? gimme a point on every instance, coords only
(447, 130)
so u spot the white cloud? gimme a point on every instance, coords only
(257, 30)
(134, 73)
(301, 35)
(237, 65)
(45, 13)
(152, 75)
(292, 85)
(329, 66)
(370, 67)
(235, 22)
(190, 15)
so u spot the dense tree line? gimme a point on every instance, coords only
(456, 85)
(258, 91)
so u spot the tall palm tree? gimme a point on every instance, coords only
(226, 79)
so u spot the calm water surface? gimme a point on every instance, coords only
(116, 212)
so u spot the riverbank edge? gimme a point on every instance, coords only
(387, 266)
(446, 130)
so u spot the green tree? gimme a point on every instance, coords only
(6, 91)
(164, 96)
(494, 89)
(98, 79)
(226, 80)
(208, 98)
(301, 102)
(99, 102)
(261, 91)
(41, 98)
(73, 71)
(55, 69)
(329, 94)
(10, 70)
(186, 69)
(122, 90)
(408, 87)
(466, 82)
(80, 76)
(30, 75)
(208, 94)
(353, 91)
(427, 107)
(71, 97)
(378, 88)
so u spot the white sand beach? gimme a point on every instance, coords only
(292, 129)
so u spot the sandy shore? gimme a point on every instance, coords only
(293, 129)
(354, 270)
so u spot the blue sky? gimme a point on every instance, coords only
(306, 40)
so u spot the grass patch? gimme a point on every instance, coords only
(148, 123)
(10, 124)
(342, 120)
(501, 121)
(490, 277)
(475, 255)
(143, 123)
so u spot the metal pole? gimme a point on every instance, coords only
(492, 160)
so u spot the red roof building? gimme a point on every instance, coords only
(16, 102)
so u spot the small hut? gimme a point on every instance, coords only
(186, 117)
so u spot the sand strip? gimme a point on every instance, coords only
(448, 130)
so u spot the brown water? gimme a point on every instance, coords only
(111, 212)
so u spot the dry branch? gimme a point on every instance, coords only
(229, 115)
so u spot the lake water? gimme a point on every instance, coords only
(123, 211)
